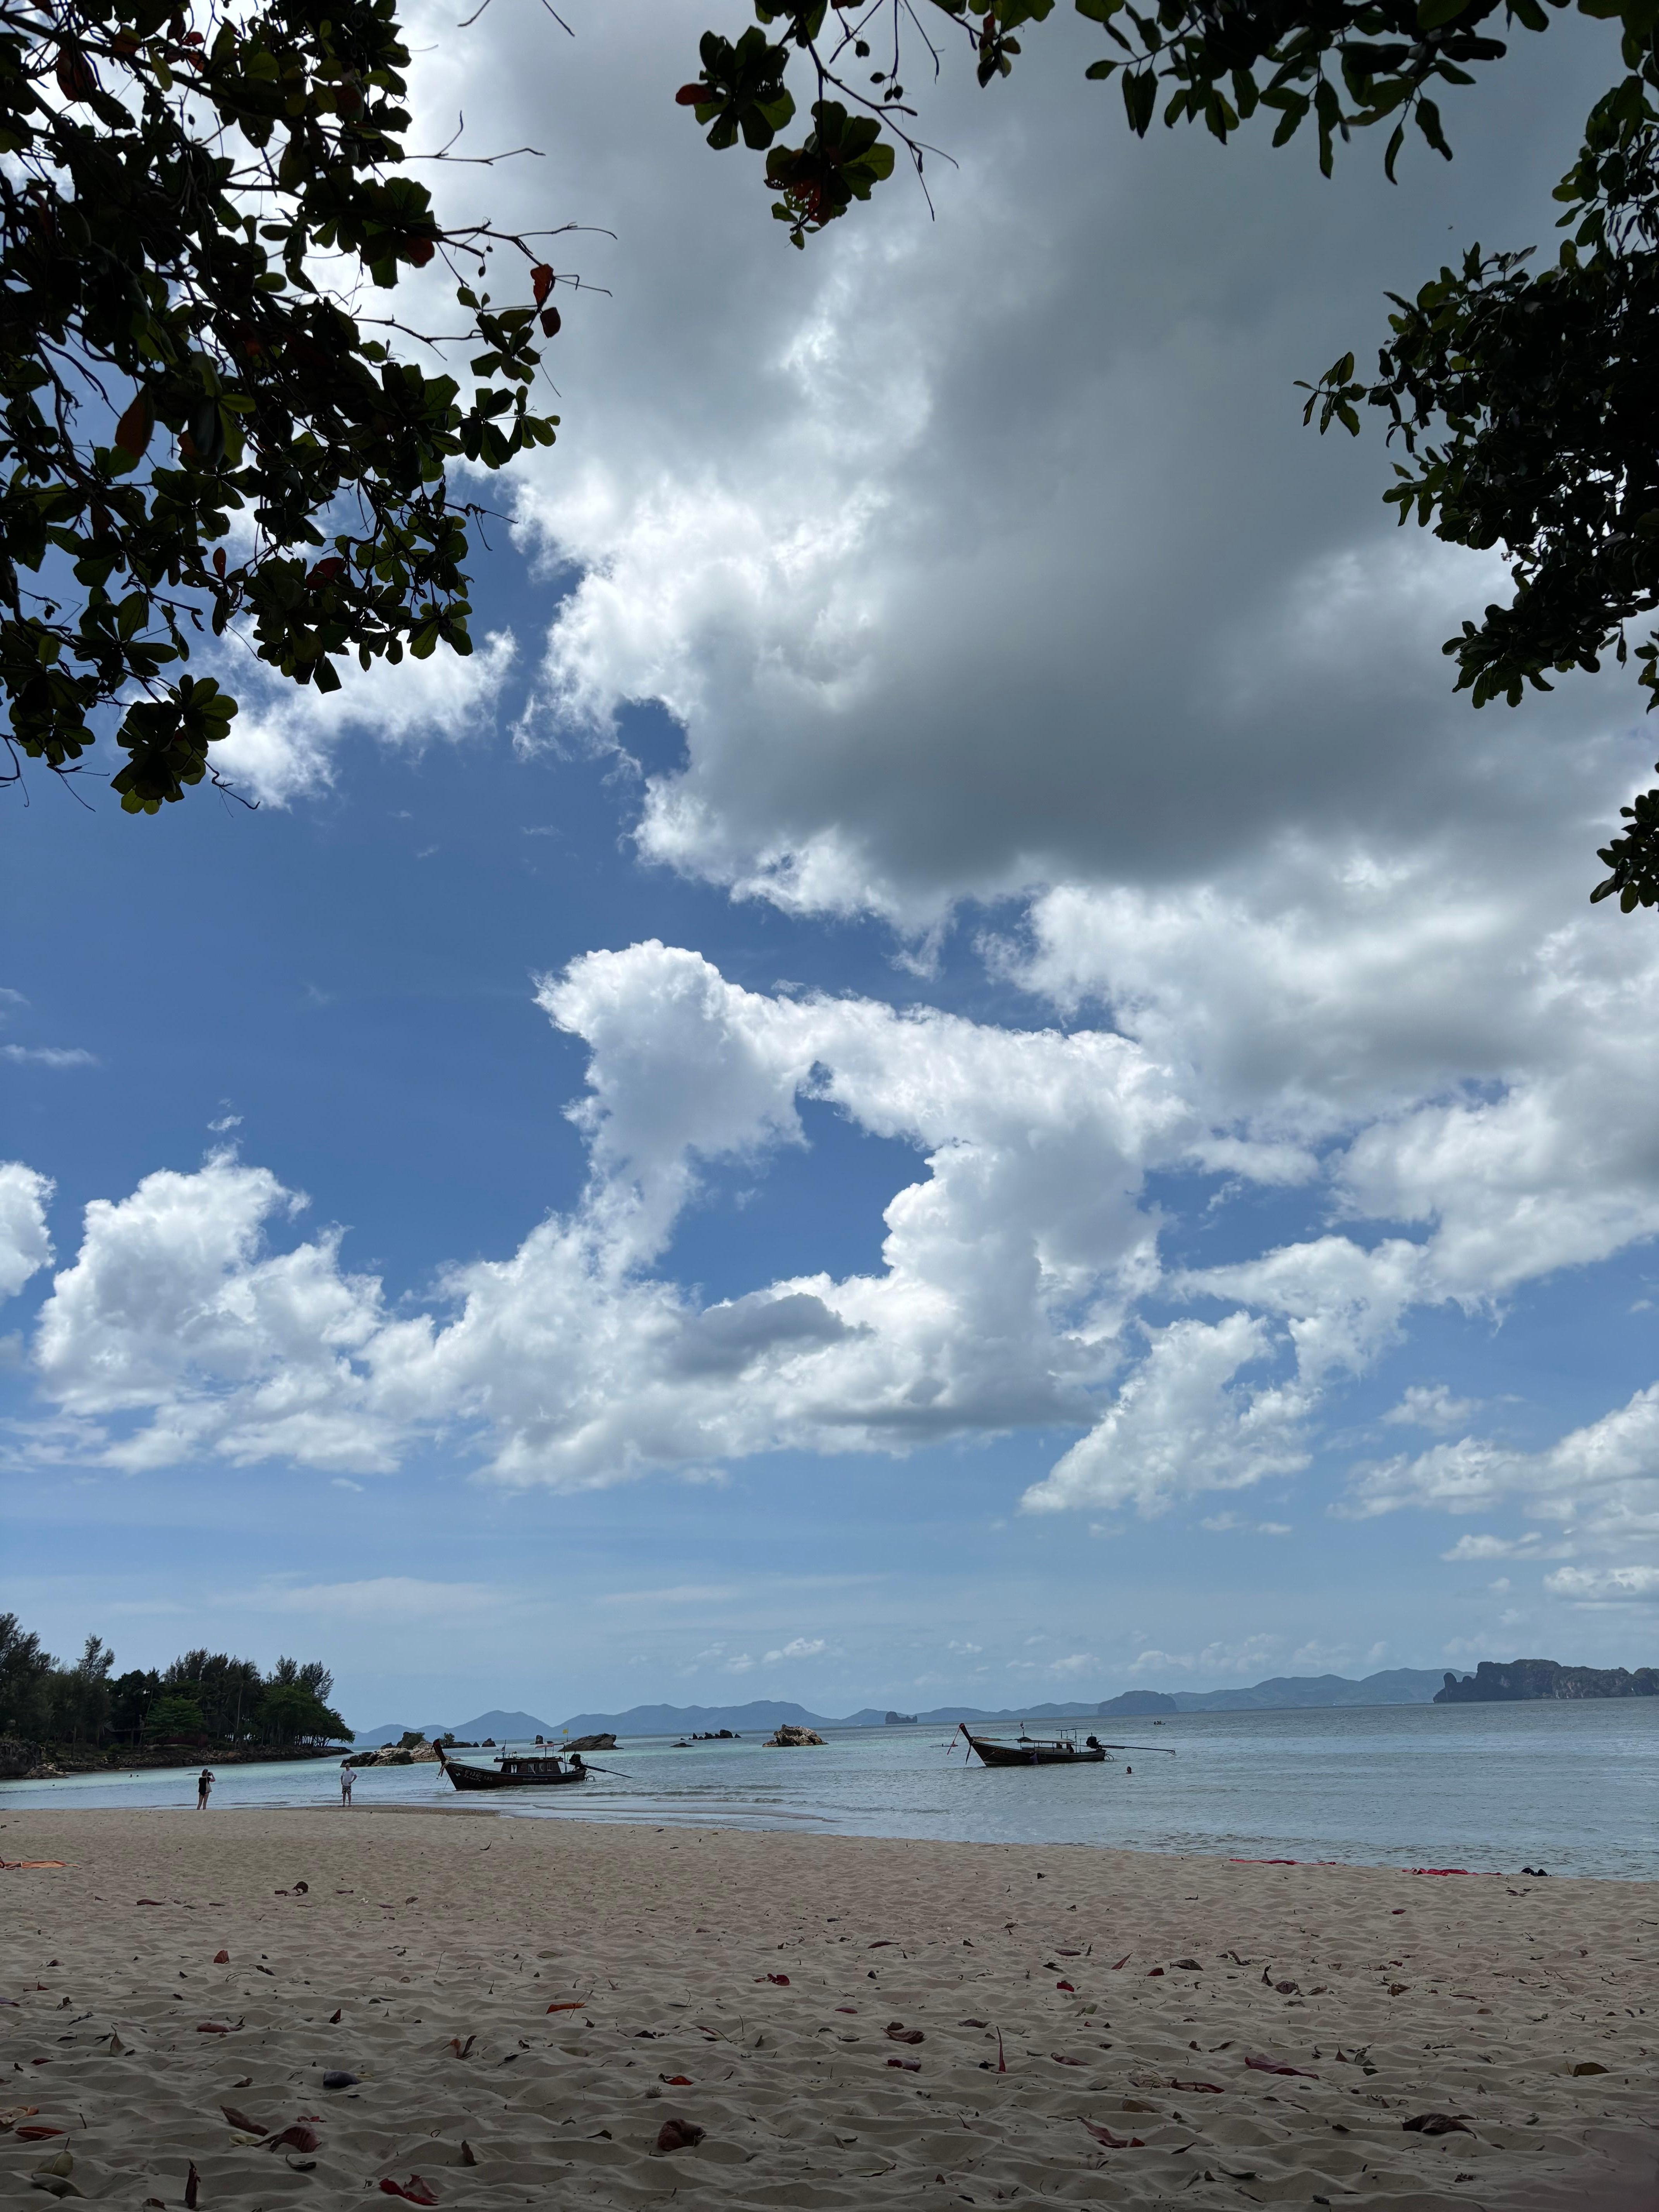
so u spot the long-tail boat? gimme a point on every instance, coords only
(1060, 1750)
(513, 1770)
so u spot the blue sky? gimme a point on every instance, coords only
(945, 1071)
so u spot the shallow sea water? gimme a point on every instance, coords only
(1574, 1788)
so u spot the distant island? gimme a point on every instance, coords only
(1512, 1681)
(1395, 1686)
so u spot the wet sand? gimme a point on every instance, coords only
(851, 2022)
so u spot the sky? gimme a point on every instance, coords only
(947, 1070)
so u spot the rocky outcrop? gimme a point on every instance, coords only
(21, 1762)
(901, 1720)
(586, 1743)
(789, 1737)
(397, 1755)
(1516, 1681)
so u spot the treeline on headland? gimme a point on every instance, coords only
(84, 1713)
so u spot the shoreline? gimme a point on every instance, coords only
(746, 1981)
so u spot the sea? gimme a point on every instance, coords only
(1572, 1787)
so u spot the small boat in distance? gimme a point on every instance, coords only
(522, 1770)
(1061, 1749)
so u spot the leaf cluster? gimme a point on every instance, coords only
(202, 428)
(1525, 401)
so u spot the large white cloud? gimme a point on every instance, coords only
(1008, 1266)
(24, 1246)
(1597, 1488)
(283, 744)
(987, 552)
(1015, 1269)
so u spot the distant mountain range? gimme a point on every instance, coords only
(1395, 1686)
(504, 1727)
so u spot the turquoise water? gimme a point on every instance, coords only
(1574, 1788)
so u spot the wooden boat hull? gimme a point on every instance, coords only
(1034, 1754)
(492, 1777)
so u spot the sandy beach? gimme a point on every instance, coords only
(849, 2022)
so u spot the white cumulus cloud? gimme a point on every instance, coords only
(24, 1246)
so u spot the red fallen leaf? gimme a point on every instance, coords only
(1273, 2066)
(1425, 2124)
(1200, 2088)
(884, 1943)
(38, 2134)
(552, 321)
(1153, 1970)
(469, 2156)
(1072, 1986)
(149, 1900)
(541, 281)
(221, 1958)
(334, 2019)
(1123, 1962)
(1114, 2142)
(679, 2135)
(298, 2138)
(1060, 2059)
(241, 2121)
(415, 2190)
(675, 2081)
(855, 2008)
(691, 95)
(459, 2048)
(192, 2183)
(910, 2065)
(782, 1980)
(564, 2007)
(217, 2026)
(896, 2032)
(1002, 2064)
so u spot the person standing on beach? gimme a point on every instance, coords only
(347, 1776)
(204, 1782)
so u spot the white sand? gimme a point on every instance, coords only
(1467, 1996)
